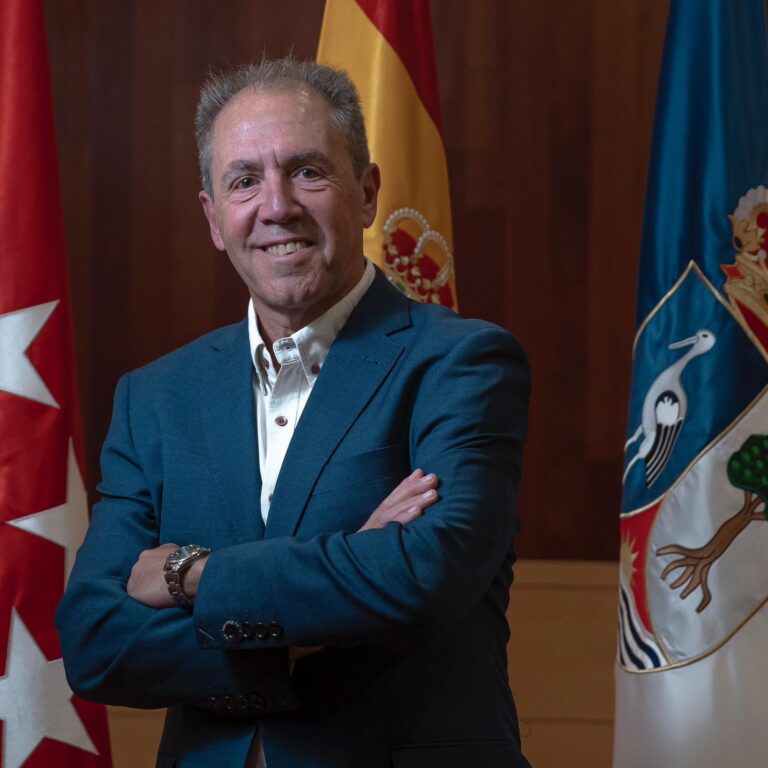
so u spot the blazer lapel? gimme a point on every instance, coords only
(357, 364)
(229, 429)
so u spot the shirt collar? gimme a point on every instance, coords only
(309, 345)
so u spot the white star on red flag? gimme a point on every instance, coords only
(35, 700)
(17, 374)
(67, 523)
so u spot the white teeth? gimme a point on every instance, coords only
(283, 248)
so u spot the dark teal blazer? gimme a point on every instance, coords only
(414, 670)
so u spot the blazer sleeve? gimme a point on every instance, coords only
(467, 425)
(119, 651)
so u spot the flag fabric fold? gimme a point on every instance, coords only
(386, 47)
(43, 504)
(690, 680)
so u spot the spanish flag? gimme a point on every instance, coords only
(386, 47)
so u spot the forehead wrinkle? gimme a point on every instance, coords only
(246, 114)
(308, 155)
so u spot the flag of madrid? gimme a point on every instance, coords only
(43, 506)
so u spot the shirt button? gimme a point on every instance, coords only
(269, 498)
(281, 421)
(315, 368)
(266, 363)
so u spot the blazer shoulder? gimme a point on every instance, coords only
(439, 325)
(188, 360)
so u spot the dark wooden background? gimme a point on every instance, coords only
(547, 112)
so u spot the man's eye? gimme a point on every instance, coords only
(308, 173)
(245, 183)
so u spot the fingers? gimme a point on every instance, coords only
(407, 502)
(413, 485)
(409, 509)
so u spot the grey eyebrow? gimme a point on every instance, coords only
(251, 166)
(241, 166)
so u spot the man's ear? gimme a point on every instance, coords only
(370, 181)
(213, 222)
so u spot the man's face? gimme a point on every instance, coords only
(286, 205)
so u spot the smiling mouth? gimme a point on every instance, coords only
(283, 249)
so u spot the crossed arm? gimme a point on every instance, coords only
(333, 589)
(147, 582)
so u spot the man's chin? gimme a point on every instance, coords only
(293, 295)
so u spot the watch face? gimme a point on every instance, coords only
(180, 555)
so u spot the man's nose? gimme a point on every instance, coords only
(278, 203)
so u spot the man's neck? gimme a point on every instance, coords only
(277, 324)
(274, 326)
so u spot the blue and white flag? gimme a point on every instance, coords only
(691, 676)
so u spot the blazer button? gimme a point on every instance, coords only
(242, 703)
(275, 630)
(257, 703)
(247, 630)
(232, 630)
(213, 703)
(228, 703)
(260, 630)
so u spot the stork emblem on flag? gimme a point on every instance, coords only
(690, 576)
(664, 408)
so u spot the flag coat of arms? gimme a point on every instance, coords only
(43, 504)
(693, 612)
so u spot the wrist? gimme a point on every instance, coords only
(177, 567)
(191, 579)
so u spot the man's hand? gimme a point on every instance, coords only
(147, 580)
(407, 502)
(414, 494)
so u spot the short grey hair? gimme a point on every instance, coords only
(277, 75)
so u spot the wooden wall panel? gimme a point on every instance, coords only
(562, 616)
(548, 120)
(547, 111)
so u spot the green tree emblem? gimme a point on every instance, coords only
(748, 471)
(748, 468)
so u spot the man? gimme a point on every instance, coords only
(325, 627)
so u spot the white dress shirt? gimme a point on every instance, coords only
(280, 397)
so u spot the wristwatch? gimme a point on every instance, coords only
(176, 565)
